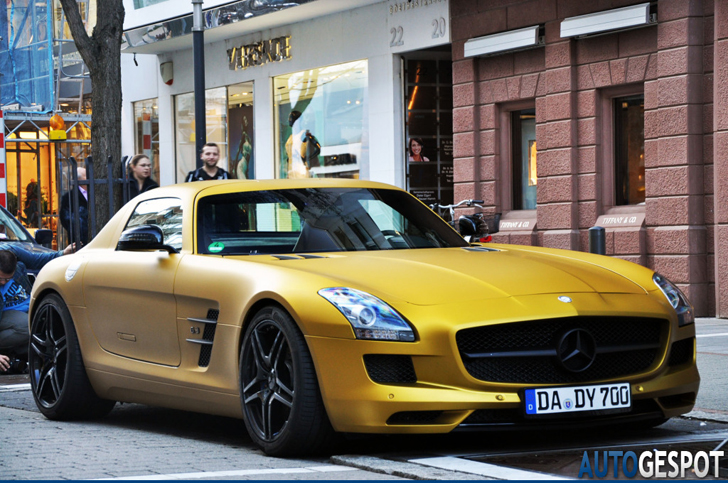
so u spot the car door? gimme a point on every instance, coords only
(130, 294)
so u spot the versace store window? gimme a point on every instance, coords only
(146, 132)
(320, 118)
(229, 124)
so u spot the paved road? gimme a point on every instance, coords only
(137, 441)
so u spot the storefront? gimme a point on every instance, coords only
(332, 94)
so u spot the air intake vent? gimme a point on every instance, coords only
(681, 352)
(390, 369)
(414, 417)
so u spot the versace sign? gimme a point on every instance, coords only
(259, 53)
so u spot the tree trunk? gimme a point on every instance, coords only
(101, 52)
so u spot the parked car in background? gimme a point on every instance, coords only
(12, 231)
(315, 307)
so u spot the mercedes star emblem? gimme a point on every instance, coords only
(577, 350)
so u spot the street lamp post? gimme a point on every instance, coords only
(198, 49)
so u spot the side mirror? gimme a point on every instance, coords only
(43, 237)
(144, 237)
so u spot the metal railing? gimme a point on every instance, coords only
(91, 183)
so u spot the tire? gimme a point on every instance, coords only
(61, 388)
(282, 406)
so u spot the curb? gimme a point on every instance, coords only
(402, 469)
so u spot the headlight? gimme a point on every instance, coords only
(370, 317)
(677, 299)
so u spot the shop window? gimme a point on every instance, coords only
(240, 131)
(320, 121)
(523, 151)
(146, 132)
(216, 126)
(429, 129)
(629, 150)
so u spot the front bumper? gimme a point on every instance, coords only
(442, 396)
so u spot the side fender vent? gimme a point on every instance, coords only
(208, 336)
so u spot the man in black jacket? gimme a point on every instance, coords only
(66, 214)
(210, 170)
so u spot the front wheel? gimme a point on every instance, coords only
(282, 405)
(61, 388)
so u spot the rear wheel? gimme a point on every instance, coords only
(61, 388)
(282, 405)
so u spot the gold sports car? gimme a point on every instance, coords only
(311, 308)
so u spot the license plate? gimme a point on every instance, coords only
(578, 398)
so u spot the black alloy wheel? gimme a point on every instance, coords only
(61, 388)
(282, 405)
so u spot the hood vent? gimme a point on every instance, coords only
(480, 249)
(296, 257)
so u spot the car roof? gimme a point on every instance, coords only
(197, 188)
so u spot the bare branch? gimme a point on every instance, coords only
(84, 43)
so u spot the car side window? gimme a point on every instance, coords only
(166, 213)
(247, 223)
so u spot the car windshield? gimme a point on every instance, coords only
(10, 229)
(318, 220)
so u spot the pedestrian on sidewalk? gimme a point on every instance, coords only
(15, 295)
(210, 170)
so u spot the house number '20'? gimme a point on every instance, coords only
(438, 28)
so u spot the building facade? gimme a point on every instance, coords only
(629, 121)
(562, 115)
(358, 78)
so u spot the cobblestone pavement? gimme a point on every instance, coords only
(34, 447)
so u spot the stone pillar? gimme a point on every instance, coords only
(466, 145)
(557, 138)
(676, 235)
(720, 157)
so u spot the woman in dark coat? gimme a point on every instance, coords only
(140, 172)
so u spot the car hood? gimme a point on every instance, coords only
(447, 275)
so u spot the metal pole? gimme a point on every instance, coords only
(198, 49)
(125, 181)
(110, 184)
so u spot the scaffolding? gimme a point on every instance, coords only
(42, 74)
(26, 56)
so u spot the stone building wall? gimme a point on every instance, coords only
(682, 228)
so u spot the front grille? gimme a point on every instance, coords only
(528, 352)
(390, 369)
(681, 352)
